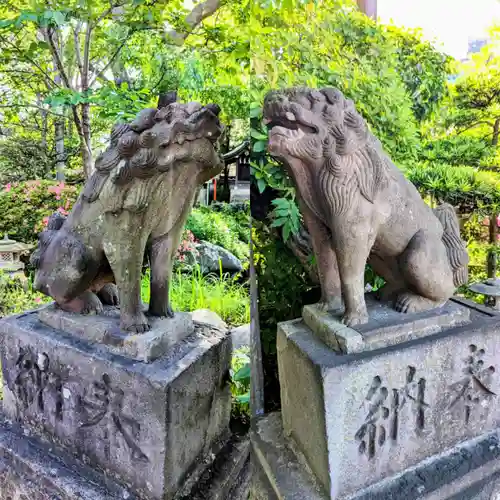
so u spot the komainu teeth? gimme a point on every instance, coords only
(290, 116)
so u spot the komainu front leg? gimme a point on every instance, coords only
(326, 260)
(352, 244)
(125, 253)
(161, 255)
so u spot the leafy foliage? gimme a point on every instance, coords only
(24, 206)
(222, 229)
(221, 294)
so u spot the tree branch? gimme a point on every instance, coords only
(76, 34)
(475, 124)
(110, 62)
(57, 58)
(193, 20)
(86, 57)
(31, 106)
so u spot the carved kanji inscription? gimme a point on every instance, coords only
(474, 387)
(383, 411)
(103, 405)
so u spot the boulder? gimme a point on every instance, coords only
(208, 318)
(209, 256)
(240, 336)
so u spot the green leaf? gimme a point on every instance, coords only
(286, 232)
(279, 222)
(5, 23)
(261, 184)
(58, 17)
(258, 135)
(255, 112)
(243, 398)
(259, 146)
(243, 373)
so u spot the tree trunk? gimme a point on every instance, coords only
(59, 121)
(492, 256)
(85, 146)
(60, 153)
(496, 131)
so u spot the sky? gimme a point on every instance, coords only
(451, 22)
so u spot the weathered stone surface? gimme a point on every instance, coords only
(241, 336)
(30, 470)
(469, 471)
(147, 425)
(358, 418)
(225, 477)
(105, 329)
(135, 203)
(211, 257)
(358, 207)
(386, 326)
(277, 474)
(208, 318)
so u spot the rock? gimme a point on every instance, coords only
(240, 336)
(210, 254)
(209, 318)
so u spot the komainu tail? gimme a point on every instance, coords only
(455, 247)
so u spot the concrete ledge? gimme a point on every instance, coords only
(469, 471)
(276, 471)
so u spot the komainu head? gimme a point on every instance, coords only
(311, 125)
(159, 140)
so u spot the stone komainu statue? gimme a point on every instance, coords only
(136, 202)
(359, 207)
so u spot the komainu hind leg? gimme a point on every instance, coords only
(408, 302)
(427, 273)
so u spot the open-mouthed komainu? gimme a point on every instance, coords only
(359, 207)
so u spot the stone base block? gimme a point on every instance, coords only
(355, 419)
(470, 471)
(147, 425)
(105, 329)
(386, 326)
(30, 470)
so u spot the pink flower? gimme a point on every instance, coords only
(45, 221)
(38, 300)
(8, 187)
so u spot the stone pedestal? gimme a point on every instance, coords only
(152, 427)
(361, 419)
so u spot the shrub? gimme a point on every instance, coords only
(240, 383)
(220, 228)
(24, 206)
(17, 296)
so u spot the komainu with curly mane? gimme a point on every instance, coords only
(135, 203)
(358, 207)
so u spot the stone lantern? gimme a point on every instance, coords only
(10, 252)
(491, 290)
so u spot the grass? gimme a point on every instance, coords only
(188, 292)
(221, 294)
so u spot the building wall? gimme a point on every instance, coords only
(369, 7)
